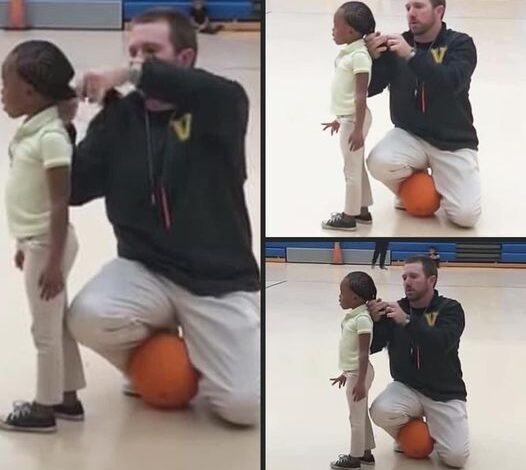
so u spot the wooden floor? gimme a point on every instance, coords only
(307, 419)
(119, 433)
(304, 167)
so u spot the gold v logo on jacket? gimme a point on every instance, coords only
(431, 318)
(182, 126)
(438, 54)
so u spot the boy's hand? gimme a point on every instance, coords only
(341, 380)
(51, 282)
(356, 140)
(334, 126)
(19, 259)
(358, 392)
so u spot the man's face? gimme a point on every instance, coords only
(148, 40)
(151, 40)
(422, 16)
(416, 284)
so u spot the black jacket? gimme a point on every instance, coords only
(424, 354)
(173, 182)
(429, 94)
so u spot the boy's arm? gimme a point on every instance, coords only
(363, 358)
(361, 99)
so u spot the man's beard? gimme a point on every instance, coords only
(422, 29)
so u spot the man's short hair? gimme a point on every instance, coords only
(428, 265)
(182, 33)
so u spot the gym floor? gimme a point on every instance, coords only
(119, 432)
(303, 164)
(307, 419)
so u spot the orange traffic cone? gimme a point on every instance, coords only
(17, 15)
(337, 254)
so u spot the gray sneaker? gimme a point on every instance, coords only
(346, 462)
(128, 390)
(24, 418)
(338, 222)
(399, 204)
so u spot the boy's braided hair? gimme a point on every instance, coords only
(44, 66)
(362, 284)
(359, 16)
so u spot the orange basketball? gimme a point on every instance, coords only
(161, 372)
(419, 195)
(414, 439)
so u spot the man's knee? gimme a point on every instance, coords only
(242, 409)
(454, 457)
(382, 414)
(83, 319)
(464, 216)
(379, 162)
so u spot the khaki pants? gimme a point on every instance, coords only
(456, 173)
(362, 437)
(447, 421)
(59, 366)
(357, 186)
(125, 303)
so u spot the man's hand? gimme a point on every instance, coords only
(395, 312)
(399, 45)
(95, 85)
(376, 44)
(376, 309)
(339, 380)
(334, 126)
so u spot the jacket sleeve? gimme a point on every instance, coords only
(382, 332)
(446, 332)
(88, 169)
(381, 74)
(454, 73)
(192, 90)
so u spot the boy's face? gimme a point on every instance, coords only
(16, 94)
(342, 33)
(348, 299)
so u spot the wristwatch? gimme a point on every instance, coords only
(411, 55)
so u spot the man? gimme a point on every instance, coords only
(169, 159)
(422, 333)
(380, 249)
(428, 71)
